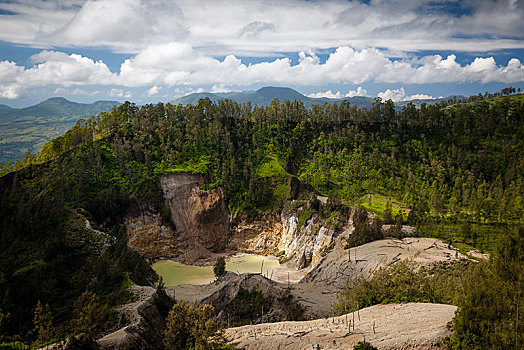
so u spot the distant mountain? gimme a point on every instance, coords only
(264, 96)
(26, 129)
(58, 107)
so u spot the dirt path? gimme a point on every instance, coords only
(393, 326)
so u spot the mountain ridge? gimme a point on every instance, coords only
(265, 95)
(58, 107)
(27, 129)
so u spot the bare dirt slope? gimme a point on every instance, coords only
(341, 263)
(317, 290)
(393, 326)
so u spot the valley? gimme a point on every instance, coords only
(386, 214)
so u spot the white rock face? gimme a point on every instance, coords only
(302, 246)
(305, 243)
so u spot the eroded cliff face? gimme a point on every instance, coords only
(299, 237)
(149, 237)
(200, 217)
(199, 221)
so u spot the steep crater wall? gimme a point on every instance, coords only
(200, 217)
(300, 237)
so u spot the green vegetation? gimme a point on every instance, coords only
(488, 293)
(247, 307)
(303, 217)
(89, 319)
(490, 308)
(456, 170)
(364, 345)
(401, 283)
(380, 204)
(365, 231)
(219, 269)
(189, 326)
(250, 307)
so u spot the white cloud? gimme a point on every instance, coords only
(120, 93)
(220, 88)
(359, 92)
(9, 73)
(229, 27)
(153, 90)
(397, 95)
(327, 94)
(76, 91)
(79, 91)
(178, 64)
(418, 97)
(394, 95)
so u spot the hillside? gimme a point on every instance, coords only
(407, 326)
(452, 171)
(26, 129)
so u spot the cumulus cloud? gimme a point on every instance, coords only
(177, 64)
(9, 73)
(120, 93)
(52, 68)
(220, 88)
(359, 92)
(394, 95)
(77, 91)
(397, 95)
(153, 90)
(419, 97)
(328, 94)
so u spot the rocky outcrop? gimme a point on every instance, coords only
(200, 216)
(149, 237)
(393, 326)
(146, 324)
(223, 291)
(299, 235)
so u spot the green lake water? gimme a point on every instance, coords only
(174, 273)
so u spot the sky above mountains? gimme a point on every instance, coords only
(152, 50)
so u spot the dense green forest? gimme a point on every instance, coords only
(454, 170)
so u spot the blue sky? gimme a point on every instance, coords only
(153, 50)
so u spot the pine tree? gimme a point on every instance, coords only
(89, 315)
(220, 267)
(43, 321)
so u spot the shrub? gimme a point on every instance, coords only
(220, 267)
(192, 327)
(364, 345)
